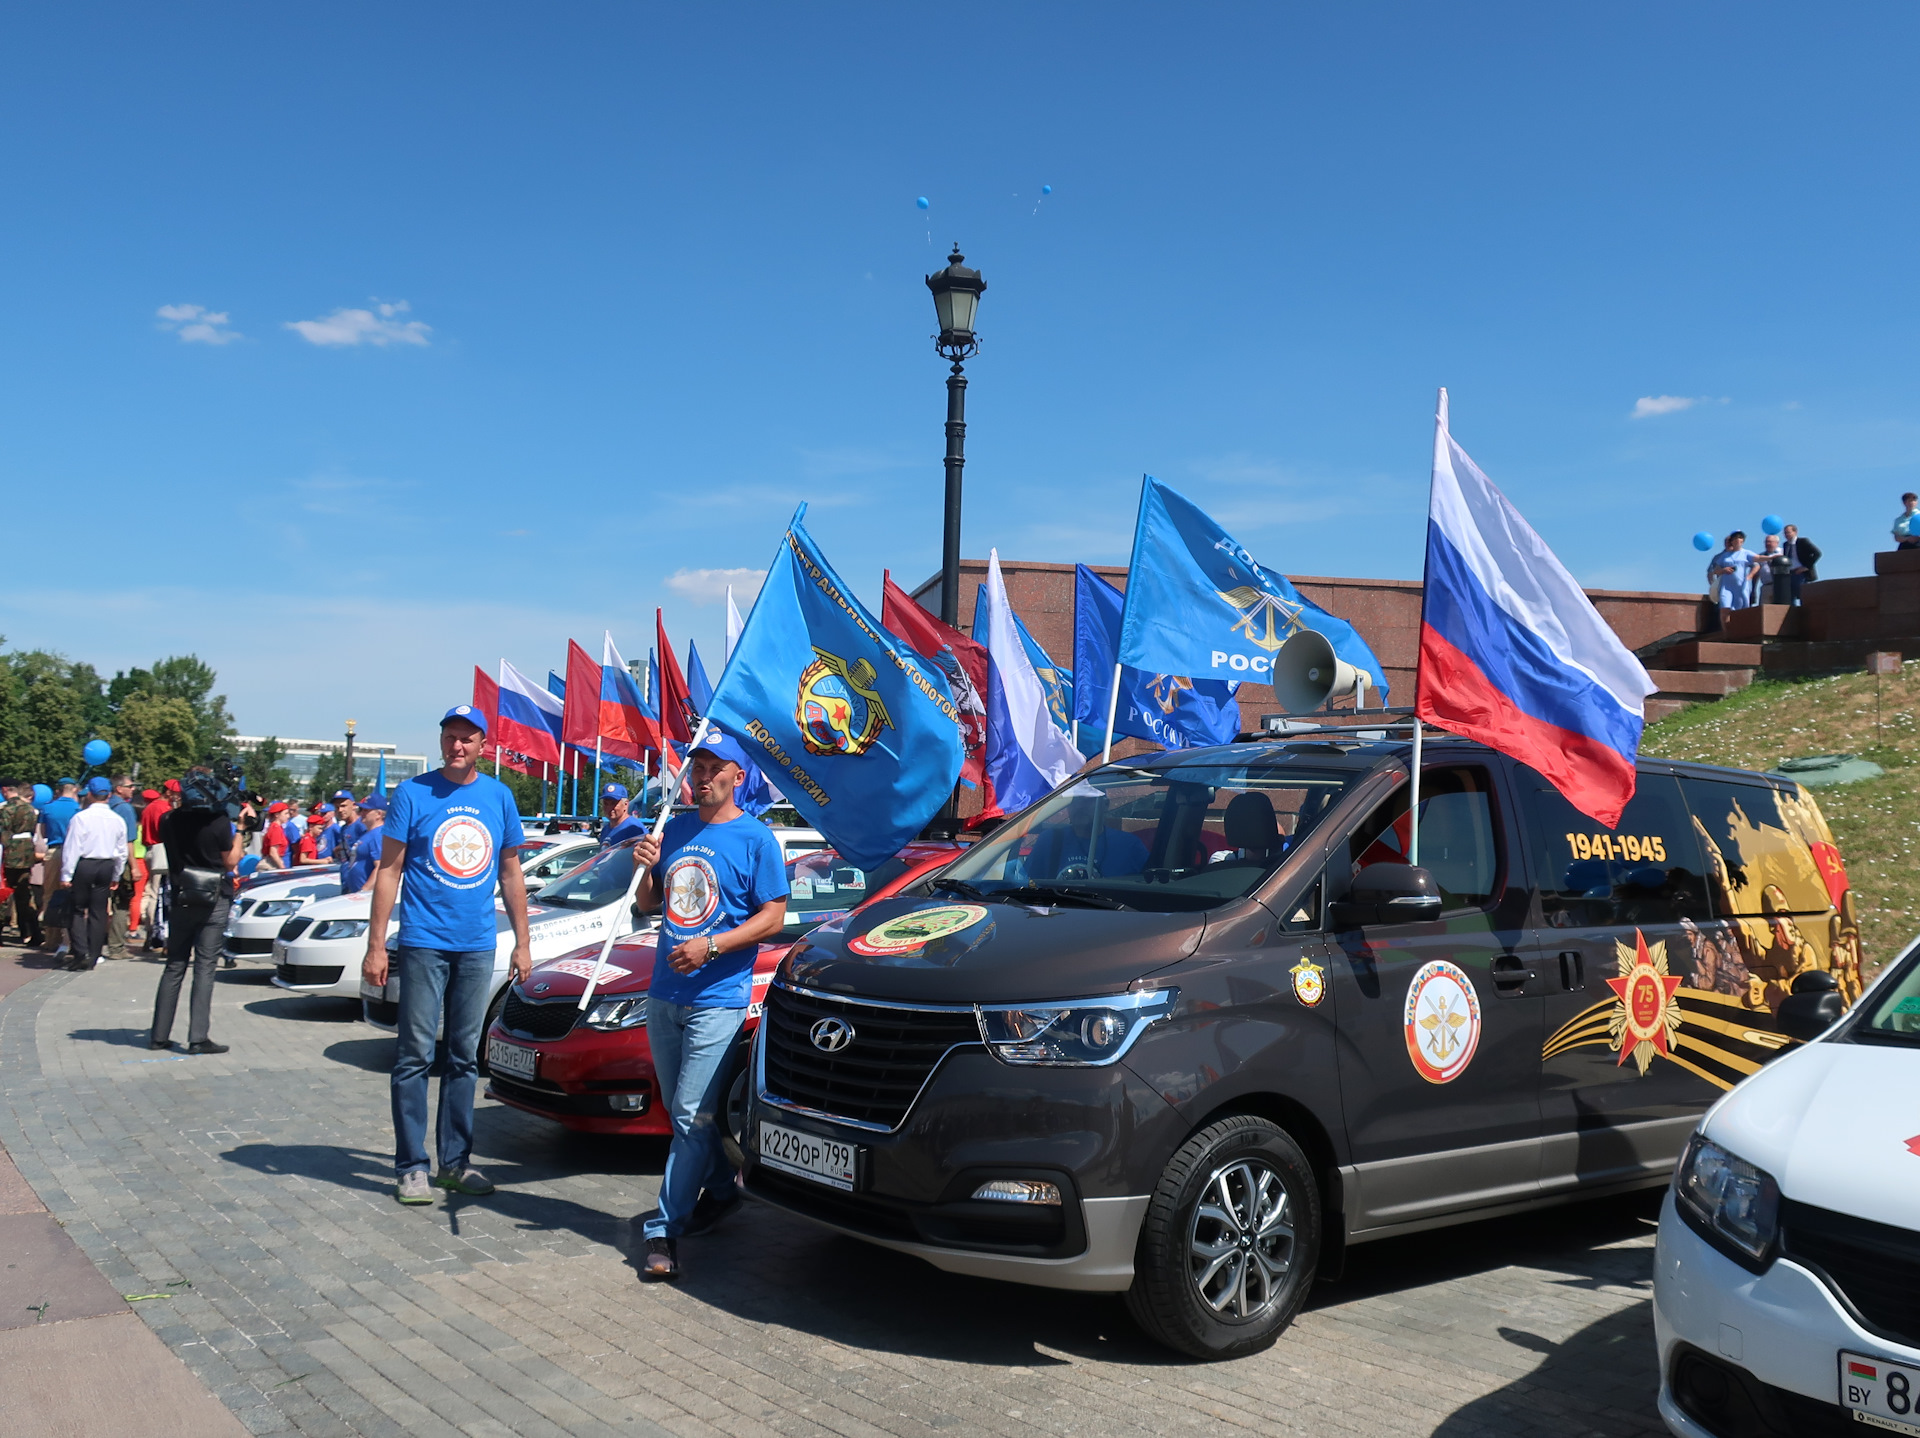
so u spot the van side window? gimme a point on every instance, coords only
(1459, 841)
(1302, 916)
(1759, 841)
(1648, 871)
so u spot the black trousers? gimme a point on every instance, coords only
(92, 887)
(193, 933)
(26, 909)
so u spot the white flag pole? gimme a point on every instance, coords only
(1113, 708)
(1413, 802)
(659, 823)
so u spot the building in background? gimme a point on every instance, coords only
(301, 758)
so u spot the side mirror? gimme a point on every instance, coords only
(1813, 1007)
(1386, 894)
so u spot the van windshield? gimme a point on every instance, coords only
(1182, 837)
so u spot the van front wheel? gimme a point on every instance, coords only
(1229, 1245)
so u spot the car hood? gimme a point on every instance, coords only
(628, 970)
(951, 950)
(1836, 1126)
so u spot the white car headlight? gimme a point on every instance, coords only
(277, 908)
(340, 929)
(1076, 1034)
(611, 1014)
(1729, 1202)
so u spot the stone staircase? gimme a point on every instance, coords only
(1838, 624)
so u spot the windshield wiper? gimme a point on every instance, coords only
(960, 887)
(1068, 891)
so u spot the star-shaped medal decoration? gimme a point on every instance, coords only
(1648, 1018)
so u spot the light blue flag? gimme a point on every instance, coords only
(1199, 604)
(699, 689)
(1165, 709)
(380, 779)
(861, 736)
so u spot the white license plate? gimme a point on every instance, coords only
(1882, 1395)
(511, 1058)
(824, 1160)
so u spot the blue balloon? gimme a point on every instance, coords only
(97, 751)
(1046, 189)
(42, 795)
(921, 202)
(1703, 541)
(1772, 524)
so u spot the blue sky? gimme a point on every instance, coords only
(528, 311)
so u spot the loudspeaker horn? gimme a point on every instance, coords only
(1306, 674)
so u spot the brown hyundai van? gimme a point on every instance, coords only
(1193, 1024)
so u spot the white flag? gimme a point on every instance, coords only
(734, 625)
(1028, 755)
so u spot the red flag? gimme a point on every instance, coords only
(580, 720)
(676, 709)
(965, 664)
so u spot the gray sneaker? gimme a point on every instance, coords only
(413, 1188)
(463, 1180)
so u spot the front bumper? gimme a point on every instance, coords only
(580, 1078)
(1783, 1327)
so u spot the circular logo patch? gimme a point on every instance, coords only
(907, 932)
(693, 893)
(1442, 1021)
(462, 847)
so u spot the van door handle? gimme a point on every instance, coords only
(1573, 970)
(1510, 975)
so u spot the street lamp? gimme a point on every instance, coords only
(349, 775)
(956, 297)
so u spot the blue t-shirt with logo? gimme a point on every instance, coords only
(711, 878)
(347, 840)
(454, 835)
(631, 827)
(56, 816)
(362, 860)
(324, 840)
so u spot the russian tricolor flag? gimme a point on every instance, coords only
(529, 717)
(1513, 653)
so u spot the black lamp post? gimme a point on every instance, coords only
(956, 296)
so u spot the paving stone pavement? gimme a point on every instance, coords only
(318, 1306)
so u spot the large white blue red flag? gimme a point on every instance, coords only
(1513, 653)
(529, 718)
(1028, 756)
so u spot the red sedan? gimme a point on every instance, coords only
(596, 1075)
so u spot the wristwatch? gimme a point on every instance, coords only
(712, 949)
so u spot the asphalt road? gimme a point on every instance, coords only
(319, 1306)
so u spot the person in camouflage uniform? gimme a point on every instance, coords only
(17, 820)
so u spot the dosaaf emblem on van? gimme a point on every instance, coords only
(1309, 982)
(1442, 1021)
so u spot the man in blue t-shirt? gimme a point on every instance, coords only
(622, 822)
(453, 834)
(720, 881)
(55, 815)
(364, 857)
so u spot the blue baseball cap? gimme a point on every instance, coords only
(467, 712)
(62, 783)
(722, 746)
(323, 808)
(373, 801)
(95, 785)
(614, 791)
(340, 794)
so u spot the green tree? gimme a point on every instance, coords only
(264, 774)
(49, 707)
(190, 679)
(156, 732)
(329, 775)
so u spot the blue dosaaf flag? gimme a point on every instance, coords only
(861, 737)
(1166, 709)
(1199, 604)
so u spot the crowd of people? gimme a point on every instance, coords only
(1786, 564)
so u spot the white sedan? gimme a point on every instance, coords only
(265, 903)
(1788, 1263)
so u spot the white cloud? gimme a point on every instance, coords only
(197, 325)
(1649, 405)
(709, 586)
(380, 325)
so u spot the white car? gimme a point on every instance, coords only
(316, 949)
(265, 903)
(796, 843)
(1787, 1274)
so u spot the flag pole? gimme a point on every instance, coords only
(1113, 708)
(613, 924)
(1413, 802)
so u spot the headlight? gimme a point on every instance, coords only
(340, 928)
(1729, 1202)
(1078, 1033)
(629, 1013)
(277, 908)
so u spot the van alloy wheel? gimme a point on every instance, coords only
(1230, 1241)
(1241, 1240)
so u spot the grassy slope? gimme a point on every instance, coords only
(1876, 823)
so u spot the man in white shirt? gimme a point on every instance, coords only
(91, 859)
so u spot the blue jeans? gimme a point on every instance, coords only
(441, 990)
(690, 1052)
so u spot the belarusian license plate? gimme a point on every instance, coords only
(1881, 1394)
(511, 1058)
(824, 1160)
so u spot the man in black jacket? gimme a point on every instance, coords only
(1804, 554)
(203, 849)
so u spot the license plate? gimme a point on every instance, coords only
(511, 1058)
(824, 1160)
(1882, 1395)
